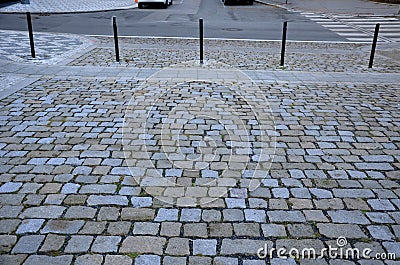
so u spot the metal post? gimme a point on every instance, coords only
(286, 1)
(371, 58)
(114, 22)
(28, 18)
(201, 31)
(283, 43)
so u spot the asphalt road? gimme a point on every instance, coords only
(181, 20)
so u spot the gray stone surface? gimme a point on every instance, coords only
(148, 259)
(207, 247)
(79, 244)
(89, 259)
(380, 232)
(68, 187)
(178, 247)
(28, 244)
(338, 230)
(167, 215)
(106, 244)
(286, 216)
(63, 227)
(30, 226)
(348, 217)
(43, 212)
(143, 244)
(43, 259)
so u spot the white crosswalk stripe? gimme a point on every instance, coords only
(359, 29)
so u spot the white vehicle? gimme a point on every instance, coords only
(165, 3)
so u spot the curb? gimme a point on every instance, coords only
(226, 39)
(70, 12)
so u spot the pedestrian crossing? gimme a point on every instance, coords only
(359, 29)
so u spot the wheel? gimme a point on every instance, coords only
(140, 5)
(165, 5)
(170, 3)
(226, 2)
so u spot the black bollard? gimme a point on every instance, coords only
(283, 43)
(201, 31)
(371, 58)
(115, 29)
(29, 20)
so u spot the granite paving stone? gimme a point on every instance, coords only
(117, 259)
(43, 259)
(28, 244)
(348, 217)
(80, 212)
(152, 161)
(88, 259)
(338, 230)
(106, 244)
(52, 242)
(62, 227)
(170, 229)
(169, 260)
(273, 230)
(167, 215)
(30, 226)
(8, 241)
(78, 244)
(381, 205)
(286, 216)
(220, 229)
(142, 228)
(43, 212)
(205, 247)
(178, 247)
(143, 244)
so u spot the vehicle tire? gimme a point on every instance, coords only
(165, 5)
(170, 3)
(226, 2)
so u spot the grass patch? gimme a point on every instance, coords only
(133, 255)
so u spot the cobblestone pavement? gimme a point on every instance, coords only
(123, 165)
(49, 48)
(330, 57)
(70, 6)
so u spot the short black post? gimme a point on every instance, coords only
(201, 31)
(371, 58)
(283, 43)
(114, 22)
(28, 18)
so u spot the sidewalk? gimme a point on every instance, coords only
(352, 7)
(69, 6)
(160, 160)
